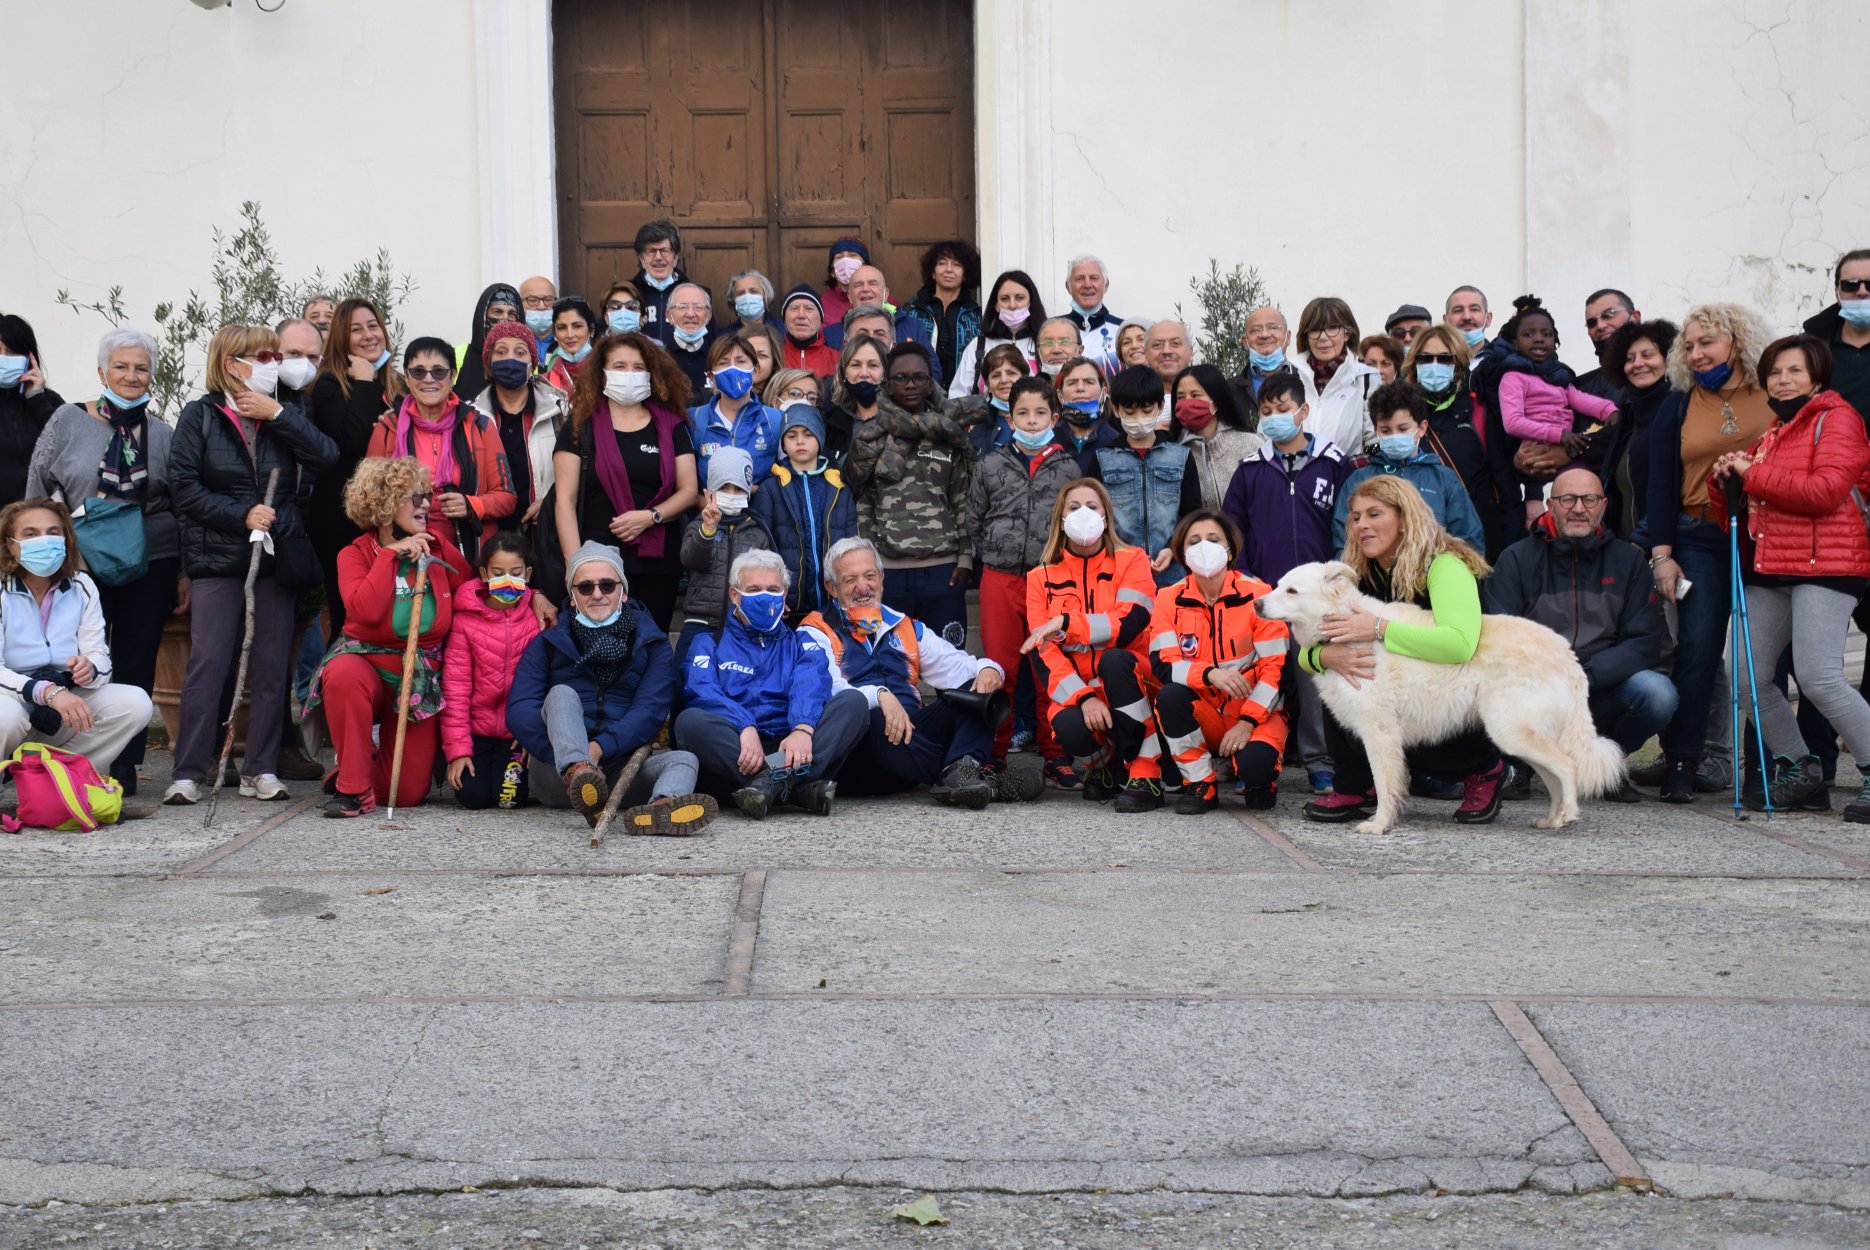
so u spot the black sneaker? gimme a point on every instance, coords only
(1797, 786)
(1099, 786)
(1140, 794)
(1625, 793)
(1262, 798)
(295, 765)
(1423, 786)
(757, 797)
(347, 806)
(1857, 811)
(1678, 786)
(1653, 773)
(1196, 800)
(1714, 775)
(962, 785)
(1015, 785)
(813, 796)
(1061, 774)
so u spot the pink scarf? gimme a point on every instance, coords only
(408, 417)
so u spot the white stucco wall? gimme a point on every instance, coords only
(136, 126)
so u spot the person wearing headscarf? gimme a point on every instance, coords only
(498, 303)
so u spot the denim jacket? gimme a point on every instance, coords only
(1145, 492)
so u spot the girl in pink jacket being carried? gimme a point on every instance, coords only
(1542, 402)
(493, 622)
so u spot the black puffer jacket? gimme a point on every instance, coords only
(215, 481)
(22, 421)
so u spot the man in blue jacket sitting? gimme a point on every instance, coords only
(590, 691)
(760, 714)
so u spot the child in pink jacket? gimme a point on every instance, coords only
(493, 622)
(1549, 408)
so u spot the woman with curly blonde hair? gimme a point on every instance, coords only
(1399, 552)
(1717, 407)
(388, 499)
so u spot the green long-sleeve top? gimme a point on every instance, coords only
(1453, 598)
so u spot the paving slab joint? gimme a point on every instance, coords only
(1279, 841)
(1571, 1097)
(746, 932)
(195, 867)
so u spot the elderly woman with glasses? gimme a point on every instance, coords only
(1338, 386)
(228, 445)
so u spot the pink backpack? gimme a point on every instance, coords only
(59, 791)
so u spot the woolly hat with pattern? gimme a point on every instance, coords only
(515, 330)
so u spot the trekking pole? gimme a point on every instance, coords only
(1744, 631)
(409, 672)
(240, 673)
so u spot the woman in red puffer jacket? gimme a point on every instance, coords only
(1809, 563)
(493, 622)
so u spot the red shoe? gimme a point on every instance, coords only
(1480, 796)
(1340, 807)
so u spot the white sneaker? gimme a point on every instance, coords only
(181, 793)
(265, 787)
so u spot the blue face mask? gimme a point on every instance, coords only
(1398, 447)
(624, 320)
(12, 369)
(1032, 440)
(763, 610)
(1713, 379)
(382, 360)
(690, 339)
(43, 555)
(733, 382)
(125, 405)
(1086, 313)
(998, 404)
(565, 353)
(1855, 311)
(1434, 378)
(1474, 337)
(1268, 362)
(588, 623)
(1280, 427)
(510, 374)
(1082, 411)
(539, 321)
(661, 284)
(749, 306)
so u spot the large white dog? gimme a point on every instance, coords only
(1524, 687)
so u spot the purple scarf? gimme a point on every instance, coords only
(407, 416)
(614, 476)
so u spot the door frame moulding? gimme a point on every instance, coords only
(513, 105)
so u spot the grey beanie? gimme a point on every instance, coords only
(730, 466)
(601, 554)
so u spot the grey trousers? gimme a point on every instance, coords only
(1813, 620)
(664, 773)
(217, 619)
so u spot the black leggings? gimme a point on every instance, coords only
(1122, 692)
(1463, 755)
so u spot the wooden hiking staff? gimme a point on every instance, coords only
(240, 673)
(625, 780)
(409, 672)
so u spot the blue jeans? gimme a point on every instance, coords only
(1701, 549)
(926, 595)
(1633, 711)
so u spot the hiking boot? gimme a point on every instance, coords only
(962, 785)
(1624, 793)
(1261, 798)
(1139, 794)
(672, 816)
(1857, 811)
(585, 783)
(1196, 800)
(1339, 807)
(295, 765)
(1423, 786)
(264, 787)
(181, 793)
(1015, 785)
(1714, 774)
(1322, 780)
(1517, 788)
(1678, 785)
(1650, 774)
(758, 796)
(1099, 785)
(1797, 786)
(346, 806)
(814, 796)
(1061, 774)
(1480, 796)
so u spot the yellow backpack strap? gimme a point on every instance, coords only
(67, 792)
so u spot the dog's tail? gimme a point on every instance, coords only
(1599, 761)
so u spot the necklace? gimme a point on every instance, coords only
(1728, 424)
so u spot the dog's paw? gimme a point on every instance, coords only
(1550, 822)
(1371, 826)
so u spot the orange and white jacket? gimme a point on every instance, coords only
(1106, 600)
(1189, 637)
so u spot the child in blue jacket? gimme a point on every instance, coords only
(1399, 412)
(806, 507)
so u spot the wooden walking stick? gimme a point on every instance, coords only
(409, 672)
(240, 673)
(625, 779)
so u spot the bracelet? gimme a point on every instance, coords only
(1655, 560)
(1382, 628)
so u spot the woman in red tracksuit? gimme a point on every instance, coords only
(1808, 564)
(1091, 600)
(1219, 662)
(359, 681)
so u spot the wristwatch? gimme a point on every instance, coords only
(655, 515)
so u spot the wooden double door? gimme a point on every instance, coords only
(764, 129)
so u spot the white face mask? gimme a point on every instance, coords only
(730, 505)
(1206, 557)
(1139, 427)
(1084, 526)
(264, 379)
(844, 267)
(298, 372)
(1050, 370)
(627, 386)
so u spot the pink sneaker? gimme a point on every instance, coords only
(1341, 807)
(1480, 796)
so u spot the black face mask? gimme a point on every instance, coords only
(1786, 409)
(862, 393)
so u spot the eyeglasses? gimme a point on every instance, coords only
(1435, 358)
(602, 586)
(1327, 332)
(433, 373)
(659, 249)
(1606, 317)
(618, 305)
(536, 301)
(794, 395)
(1854, 286)
(1567, 503)
(688, 308)
(910, 379)
(265, 358)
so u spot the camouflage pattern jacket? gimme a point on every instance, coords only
(910, 475)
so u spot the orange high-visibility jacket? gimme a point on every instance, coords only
(1105, 599)
(1188, 636)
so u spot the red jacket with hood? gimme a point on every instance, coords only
(1800, 514)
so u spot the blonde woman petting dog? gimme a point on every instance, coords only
(1401, 553)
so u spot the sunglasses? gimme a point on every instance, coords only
(1854, 286)
(265, 358)
(1435, 358)
(602, 586)
(432, 373)
(420, 498)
